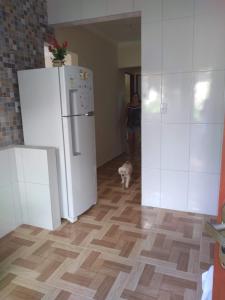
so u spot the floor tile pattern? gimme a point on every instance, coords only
(117, 250)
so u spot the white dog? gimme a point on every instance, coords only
(125, 172)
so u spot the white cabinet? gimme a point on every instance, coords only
(28, 188)
(8, 214)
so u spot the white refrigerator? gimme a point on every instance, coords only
(57, 106)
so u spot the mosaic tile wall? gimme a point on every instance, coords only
(23, 30)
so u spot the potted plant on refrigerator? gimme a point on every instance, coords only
(58, 51)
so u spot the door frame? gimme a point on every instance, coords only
(219, 272)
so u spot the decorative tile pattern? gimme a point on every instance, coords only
(23, 31)
(117, 250)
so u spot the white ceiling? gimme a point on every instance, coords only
(123, 30)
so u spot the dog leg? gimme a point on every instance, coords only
(123, 181)
(127, 181)
(124, 185)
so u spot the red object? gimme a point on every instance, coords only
(53, 44)
(56, 44)
(65, 44)
(219, 272)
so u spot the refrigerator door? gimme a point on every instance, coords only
(80, 153)
(76, 90)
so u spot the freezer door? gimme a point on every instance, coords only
(79, 136)
(76, 90)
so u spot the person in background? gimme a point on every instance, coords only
(133, 122)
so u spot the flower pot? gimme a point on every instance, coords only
(57, 63)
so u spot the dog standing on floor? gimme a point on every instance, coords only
(125, 172)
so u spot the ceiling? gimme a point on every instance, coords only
(123, 30)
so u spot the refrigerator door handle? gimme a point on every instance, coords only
(74, 137)
(89, 114)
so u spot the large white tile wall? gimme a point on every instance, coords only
(183, 68)
(28, 188)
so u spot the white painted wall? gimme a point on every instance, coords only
(183, 65)
(28, 188)
(129, 54)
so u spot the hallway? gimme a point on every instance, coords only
(117, 250)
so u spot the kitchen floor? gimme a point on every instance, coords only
(117, 250)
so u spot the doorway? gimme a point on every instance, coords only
(112, 49)
(132, 82)
(132, 78)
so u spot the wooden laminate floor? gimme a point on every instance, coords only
(117, 250)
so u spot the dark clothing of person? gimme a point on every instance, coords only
(133, 116)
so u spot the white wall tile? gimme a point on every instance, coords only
(93, 9)
(208, 101)
(64, 11)
(151, 10)
(209, 7)
(119, 6)
(151, 145)
(205, 147)
(175, 147)
(203, 193)
(35, 160)
(174, 190)
(151, 41)
(151, 98)
(209, 43)
(177, 45)
(178, 95)
(150, 187)
(178, 8)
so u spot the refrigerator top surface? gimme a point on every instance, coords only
(71, 68)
